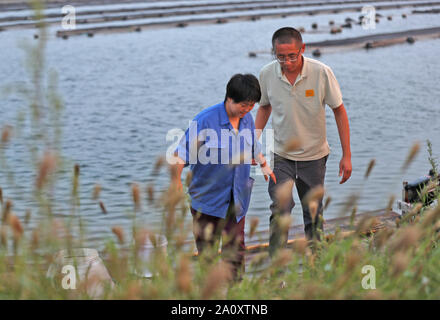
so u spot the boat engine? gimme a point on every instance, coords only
(421, 190)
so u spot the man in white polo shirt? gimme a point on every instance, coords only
(295, 90)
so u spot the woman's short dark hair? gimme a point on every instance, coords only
(286, 35)
(243, 87)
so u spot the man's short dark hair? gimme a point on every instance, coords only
(286, 35)
(243, 88)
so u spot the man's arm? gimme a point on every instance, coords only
(344, 135)
(262, 117)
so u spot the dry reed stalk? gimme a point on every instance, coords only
(219, 276)
(313, 209)
(208, 232)
(282, 259)
(188, 178)
(160, 161)
(96, 192)
(400, 261)
(1, 196)
(315, 194)
(133, 291)
(4, 236)
(27, 217)
(140, 237)
(353, 259)
(283, 194)
(374, 295)
(6, 134)
(16, 226)
(46, 167)
(35, 239)
(406, 239)
(351, 202)
(414, 211)
(300, 246)
(184, 275)
(389, 207)
(6, 211)
(103, 209)
(431, 217)
(259, 258)
(382, 236)
(327, 202)
(370, 167)
(136, 196)
(150, 193)
(119, 232)
(411, 155)
(292, 145)
(254, 225)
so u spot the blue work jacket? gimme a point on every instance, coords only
(219, 159)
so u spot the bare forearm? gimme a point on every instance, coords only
(343, 129)
(262, 117)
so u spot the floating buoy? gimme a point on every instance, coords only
(252, 54)
(283, 15)
(390, 18)
(65, 36)
(335, 30)
(138, 29)
(314, 26)
(410, 40)
(403, 16)
(90, 34)
(255, 18)
(316, 53)
(219, 21)
(36, 36)
(181, 25)
(331, 23)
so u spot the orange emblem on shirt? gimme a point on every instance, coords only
(310, 93)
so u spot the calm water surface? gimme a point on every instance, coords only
(124, 92)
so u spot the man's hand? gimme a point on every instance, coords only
(267, 172)
(345, 169)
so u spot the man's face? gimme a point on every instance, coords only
(289, 55)
(241, 108)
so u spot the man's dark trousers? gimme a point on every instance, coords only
(306, 175)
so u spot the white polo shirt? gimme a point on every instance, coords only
(298, 111)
